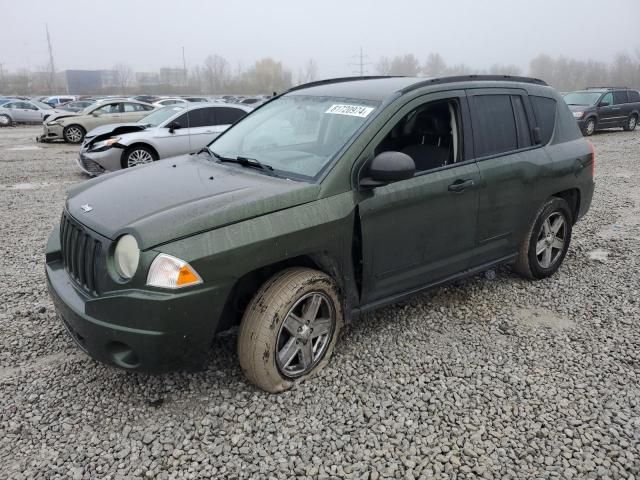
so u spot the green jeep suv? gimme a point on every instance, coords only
(332, 199)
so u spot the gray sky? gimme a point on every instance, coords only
(150, 34)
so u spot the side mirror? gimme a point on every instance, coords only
(604, 104)
(173, 126)
(388, 167)
(95, 114)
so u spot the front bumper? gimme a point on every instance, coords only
(51, 132)
(97, 162)
(136, 329)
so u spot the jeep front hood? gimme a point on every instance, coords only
(181, 196)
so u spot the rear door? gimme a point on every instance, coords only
(510, 164)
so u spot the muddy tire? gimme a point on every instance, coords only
(546, 244)
(290, 328)
(73, 134)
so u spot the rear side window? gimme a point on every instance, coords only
(620, 97)
(544, 109)
(494, 125)
(201, 117)
(227, 116)
(634, 96)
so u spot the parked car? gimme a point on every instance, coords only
(24, 111)
(167, 132)
(165, 102)
(335, 198)
(76, 106)
(607, 107)
(58, 100)
(195, 99)
(147, 98)
(72, 127)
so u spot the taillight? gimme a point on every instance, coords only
(593, 159)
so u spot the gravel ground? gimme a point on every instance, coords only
(500, 378)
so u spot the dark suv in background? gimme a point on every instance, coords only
(604, 107)
(330, 200)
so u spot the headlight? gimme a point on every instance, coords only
(106, 143)
(578, 114)
(171, 272)
(53, 122)
(126, 256)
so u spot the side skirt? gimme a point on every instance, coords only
(403, 295)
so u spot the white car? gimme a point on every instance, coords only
(165, 102)
(167, 132)
(24, 111)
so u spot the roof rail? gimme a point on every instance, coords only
(608, 88)
(466, 78)
(340, 80)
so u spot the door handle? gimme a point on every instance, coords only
(461, 185)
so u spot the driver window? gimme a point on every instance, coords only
(110, 108)
(429, 134)
(608, 98)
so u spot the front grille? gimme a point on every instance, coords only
(90, 166)
(80, 253)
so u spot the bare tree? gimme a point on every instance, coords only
(123, 76)
(498, 69)
(434, 66)
(215, 73)
(405, 65)
(383, 67)
(310, 72)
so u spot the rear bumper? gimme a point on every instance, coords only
(142, 330)
(51, 132)
(586, 196)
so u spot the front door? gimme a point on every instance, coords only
(608, 112)
(422, 230)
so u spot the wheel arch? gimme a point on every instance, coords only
(247, 285)
(137, 143)
(572, 197)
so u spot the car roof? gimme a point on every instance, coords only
(380, 88)
(196, 105)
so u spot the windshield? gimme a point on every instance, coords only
(295, 134)
(158, 116)
(582, 98)
(43, 106)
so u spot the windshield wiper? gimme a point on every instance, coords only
(244, 161)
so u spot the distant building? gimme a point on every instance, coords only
(109, 78)
(147, 79)
(173, 76)
(83, 82)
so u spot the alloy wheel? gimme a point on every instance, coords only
(551, 240)
(591, 126)
(4, 120)
(139, 157)
(632, 123)
(74, 134)
(305, 334)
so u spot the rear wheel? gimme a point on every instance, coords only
(590, 127)
(73, 133)
(547, 241)
(631, 124)
(5, 121)
(138, 155)
(289, 329)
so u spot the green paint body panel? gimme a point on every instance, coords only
(229, 223)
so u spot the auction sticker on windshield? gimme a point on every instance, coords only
(352, 110)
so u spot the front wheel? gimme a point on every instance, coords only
(73, 133)
(631, 124)
(137, 155)
(547, 241)
(590, 127)
(5, 121)
(289, 329)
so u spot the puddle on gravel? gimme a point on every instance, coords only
(599, 255)
(541, 317)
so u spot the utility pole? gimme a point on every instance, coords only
(184, 67)
(52, 68)
(360, 63)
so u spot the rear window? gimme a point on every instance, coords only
(620, 97)
(544, 109)
(634, 96)
(227, 116)
(494, 125)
